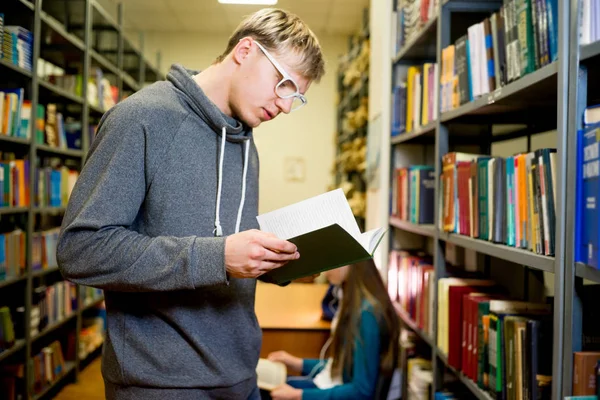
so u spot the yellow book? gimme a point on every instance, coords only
(425, 97)
(410, 88)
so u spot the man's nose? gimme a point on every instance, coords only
(285, 105)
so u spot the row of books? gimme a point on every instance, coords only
(100, 92)
(14, 182)
(7, 329)
(409, 18)
(414, 99)
(55, 130)
(590, 18)
(411, 284)
(52, 304)
(420, 382)
(509, 201)
(54, 185)
(51, 127)
(16, 45)
(15, 113)
(484, 331)
(43, 255)
(13, 250)
(413, 194)
(48, 366)
(518, 39)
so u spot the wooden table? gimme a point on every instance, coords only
(290, 318)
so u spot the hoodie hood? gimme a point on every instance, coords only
(195, 97)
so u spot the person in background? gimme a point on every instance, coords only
(163, 216)
(362, 349)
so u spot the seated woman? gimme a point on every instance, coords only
(363, 346)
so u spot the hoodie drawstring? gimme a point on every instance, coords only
(218, 229)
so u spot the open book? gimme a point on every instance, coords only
(270, 374)
(325, 232)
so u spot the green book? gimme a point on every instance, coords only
(525, 31)
(325, 232)
(482, 175)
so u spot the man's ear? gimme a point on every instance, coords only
(242, 50)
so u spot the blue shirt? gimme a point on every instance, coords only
(365, 370)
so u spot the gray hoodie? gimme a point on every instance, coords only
(144, 223)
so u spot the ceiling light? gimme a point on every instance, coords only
(250, 2)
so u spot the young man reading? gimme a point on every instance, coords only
(163, 217)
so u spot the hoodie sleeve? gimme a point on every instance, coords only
(97, 245)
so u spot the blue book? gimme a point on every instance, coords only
(422, 184)
(511, 238)
(588, 189)
(2, 257)
(552, 11)
(469, 71)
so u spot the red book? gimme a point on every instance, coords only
(455, 309)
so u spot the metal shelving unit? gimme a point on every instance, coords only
(412, 325)
(71, 41)
(560, 90)
(424, 230)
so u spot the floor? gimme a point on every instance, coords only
(89, 387)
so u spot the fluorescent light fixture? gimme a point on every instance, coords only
(250, 2)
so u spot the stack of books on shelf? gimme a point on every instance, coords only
(411, 280)
(13, 252)
(413, 194)
(508, 201)
(43, 254)
(48, 366)
(518, 39)
(414, 99)
(54, 130)
(408, 20)
(14, 181)
(16, 45)
(15, 113)
(53, 184)
(69, 82)
(100, 92)
(504, 346)
(589, 28)
(55, 303)
(420, 379)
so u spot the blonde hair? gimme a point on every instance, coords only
(281, 32)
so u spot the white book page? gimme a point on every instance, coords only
(369, 240)
(309, 215)
(270, 374)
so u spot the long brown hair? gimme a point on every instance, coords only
(364, 283)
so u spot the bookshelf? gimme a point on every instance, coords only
(78, 38)
(553, 96)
